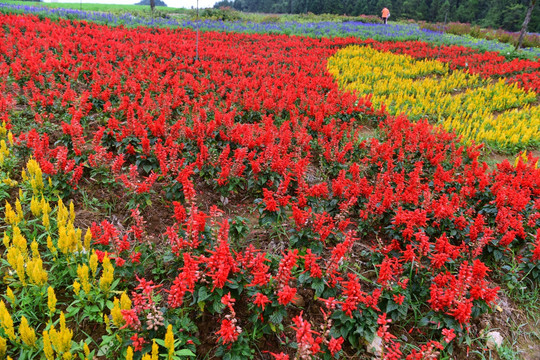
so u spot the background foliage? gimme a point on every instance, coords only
(506, 14)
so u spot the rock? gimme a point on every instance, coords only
(494, 340)
(376, 346)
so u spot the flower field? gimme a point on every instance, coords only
(495, 113)
(158, 205)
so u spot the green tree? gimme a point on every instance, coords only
(512, 16)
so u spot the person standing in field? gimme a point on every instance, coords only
(385, 15)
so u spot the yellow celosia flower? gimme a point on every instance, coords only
(46, 222)
(6, 240)
(10, 215)
(107, 276)
(62, 214)
(10, 295)
(20, 269)
(63, 239)
(34, 246)
(82, 273)
(50, 245)
(19, 240)
(87, 239)
(129, 353)
(125, 301)
(13, 255)
(169, 341)
(7, 322)
(76, 287)
(3, 347)
(28, 335)
(86, 351)
(71, 212)
(20, 214)
(45, 206)
(35, 175)
(116, 313)
(35, 206)
(93, 262)
(51, 300)
(61, 339)
(47, 346)
(37, 275)
(155, 350)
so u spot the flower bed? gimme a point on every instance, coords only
(480, 110)
(343, 238)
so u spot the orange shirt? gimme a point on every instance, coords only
(385, 13)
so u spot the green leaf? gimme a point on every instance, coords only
(423, 322)
(217, 306)
(160, 342)
(391, 306)
(202, 294)
(318, 286)
(276, 318)
(184, 352)
(303, 277)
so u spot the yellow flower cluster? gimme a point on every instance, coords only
(169, 342)
(4, 151)
(29, 268)
(28, 335)
(154, 355)
(7, 322)
(107, 276)
(479, 110)
(31, 263)
(3, 347)
(58, 341)
(34, 176)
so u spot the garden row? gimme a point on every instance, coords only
(364, 29)
(457, 28)
(343, 240)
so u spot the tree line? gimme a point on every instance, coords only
(506, 14)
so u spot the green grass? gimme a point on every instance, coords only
(103, 7)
